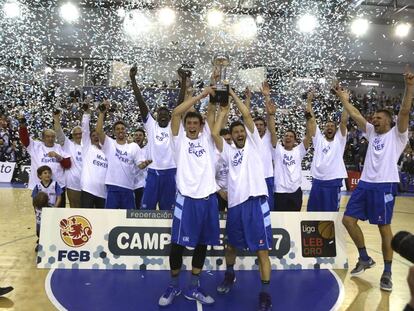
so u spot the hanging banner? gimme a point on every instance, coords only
(140, 240)
(6, 171)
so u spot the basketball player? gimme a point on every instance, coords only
(140, 174)
(196, 220)
(248, 217)
(122, 158)
(74, 149)
(374, 197)
(328, 167)
(222, 170)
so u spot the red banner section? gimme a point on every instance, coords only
(353, 178)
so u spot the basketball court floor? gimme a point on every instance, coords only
(43, 290)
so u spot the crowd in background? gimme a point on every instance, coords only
(37, 105)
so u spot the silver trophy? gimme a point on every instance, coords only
(220, 84)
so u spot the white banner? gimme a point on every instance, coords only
(6, 171)
(307, 181)
(139, 240)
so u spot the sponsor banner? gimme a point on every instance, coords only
(353, 179)
(6, 171)
(140, 240)
(307, 181)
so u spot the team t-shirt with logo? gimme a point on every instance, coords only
(94, 164)
(222, 170)
(195, 163)
(328, 163)
(38, 157)
(73, 175)
(159, 145)
(246, 176)
(382, 155)
(288, 168)
(141, 175)
(122, 160)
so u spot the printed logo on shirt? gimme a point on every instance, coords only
(78, 156)
(75, 231)
(378, 144)
(161, 137)
(100, 161)
(326, 149)
(238, 158)
(121, 155)
(47, 159)
(196, 149)
(288, 160)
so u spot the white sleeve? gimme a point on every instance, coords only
(318, 135)
(86, 139)
(369, 131)
(302, 150)
(108, 144)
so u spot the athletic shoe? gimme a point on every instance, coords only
(168, 297)
(265, 302)
(196, 293)
(385, 282)
(227, 284)
(5, 290)
(361, 266)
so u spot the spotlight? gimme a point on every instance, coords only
(259, 19)
(307, 23)
(215, 18)
(402, 29)
(359, 26)
(69, 12)
(11, 9)
(166, 16)
(121, 12)
(245, 28)
(135, 23)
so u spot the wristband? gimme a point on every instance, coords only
(308, 115)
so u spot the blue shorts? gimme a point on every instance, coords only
(248, 225)
(196, 221)
(119, 198)
(270, 182)
(372, 201)
(159, 188)
(325, 195)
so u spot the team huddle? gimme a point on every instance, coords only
(197, 165)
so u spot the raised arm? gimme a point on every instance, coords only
(344, 121)
(215, 132)
(247, 118)
(211, 114)
(248, 95)
(271, 123)
(308, 136)
(143, 107)
(354, 113)
(310, 115)
(404, 113)
(86, 117)
(184, 75)
(60, 136)
(100, 122)
(178, 111)
(23, 132)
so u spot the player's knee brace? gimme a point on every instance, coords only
(199, 256)
(176, 256)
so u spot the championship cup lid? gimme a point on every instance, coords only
(221, 59)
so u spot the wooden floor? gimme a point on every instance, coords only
(17, 260)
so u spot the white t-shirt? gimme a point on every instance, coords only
(222, 170)
(38, 157)
(382, 154)
(73, 175)
(195, 163)
(94, 164)
(141, 175)
(328, 158)
(288, 168)
(159, 145)
(266, 155)
(246, 176)
(122, 160)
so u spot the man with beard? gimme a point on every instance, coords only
(248, 218)
(328, 167)
(122, 158)
(287, 159)
(196, 216)
(160, 184)
(374, 197)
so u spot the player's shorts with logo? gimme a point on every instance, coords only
(325, 195)
(196, 221)
(248, 225)
(160, 188)
(372, 201)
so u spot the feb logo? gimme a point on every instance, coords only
(75, 231)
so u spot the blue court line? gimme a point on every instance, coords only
(106, 290)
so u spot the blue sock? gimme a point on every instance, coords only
(230, 269)
(265, 286)
(195, 280)
(387, 266)
(363, 255)
(174, 280)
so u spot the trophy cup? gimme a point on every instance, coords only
(220, 83)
